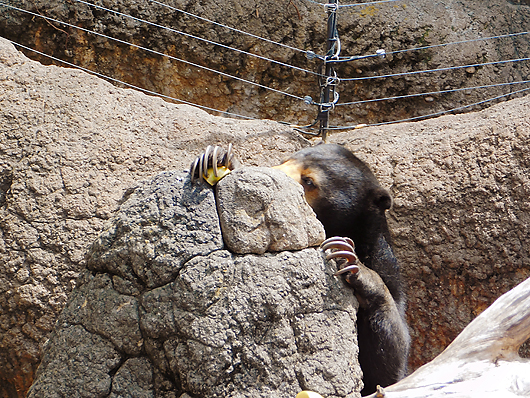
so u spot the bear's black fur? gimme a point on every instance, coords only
(349, 201)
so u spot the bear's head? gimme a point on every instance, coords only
(341, 189)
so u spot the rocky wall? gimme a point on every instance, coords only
(166, 309)
(72, 145)
(300, 26)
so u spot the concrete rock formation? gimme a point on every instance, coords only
(262, 209)
(71, 145)
(164, 310)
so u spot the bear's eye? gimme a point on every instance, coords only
(308, 182)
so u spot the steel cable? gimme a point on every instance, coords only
(196, 37)
(157, 53)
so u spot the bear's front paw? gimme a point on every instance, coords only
(344, 248)
(212, 165)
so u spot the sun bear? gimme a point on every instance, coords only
(349, 202)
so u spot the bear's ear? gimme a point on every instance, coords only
(382, 199)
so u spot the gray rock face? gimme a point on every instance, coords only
(161, 224)
(67, 354)
(165, 310)
(264, 210)
(71, 145)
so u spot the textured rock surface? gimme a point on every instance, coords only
(156, 228)
(393, 26)
(262, 209)
(218, 325)
(70, 147)
(71, 144)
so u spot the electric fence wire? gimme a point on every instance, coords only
(311, 55)
(448, 68)
(353, 4)
(296, 127)
(367, 3)
(101, 75)
(156, 52)
(154, 93)
(291, 95)
(195, 37)
(432, 93)
(355, 58)
(226, 26)
(430, 115)
(380, 53)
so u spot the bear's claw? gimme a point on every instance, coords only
(345, 248)
(210, 167)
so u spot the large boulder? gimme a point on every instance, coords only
(166, 311)
(255, 218)
(71, 145)
(298, 26)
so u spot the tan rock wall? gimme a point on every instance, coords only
(460, 219)
(71, 145)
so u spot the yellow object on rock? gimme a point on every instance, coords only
(212, 179)
(308, 394)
